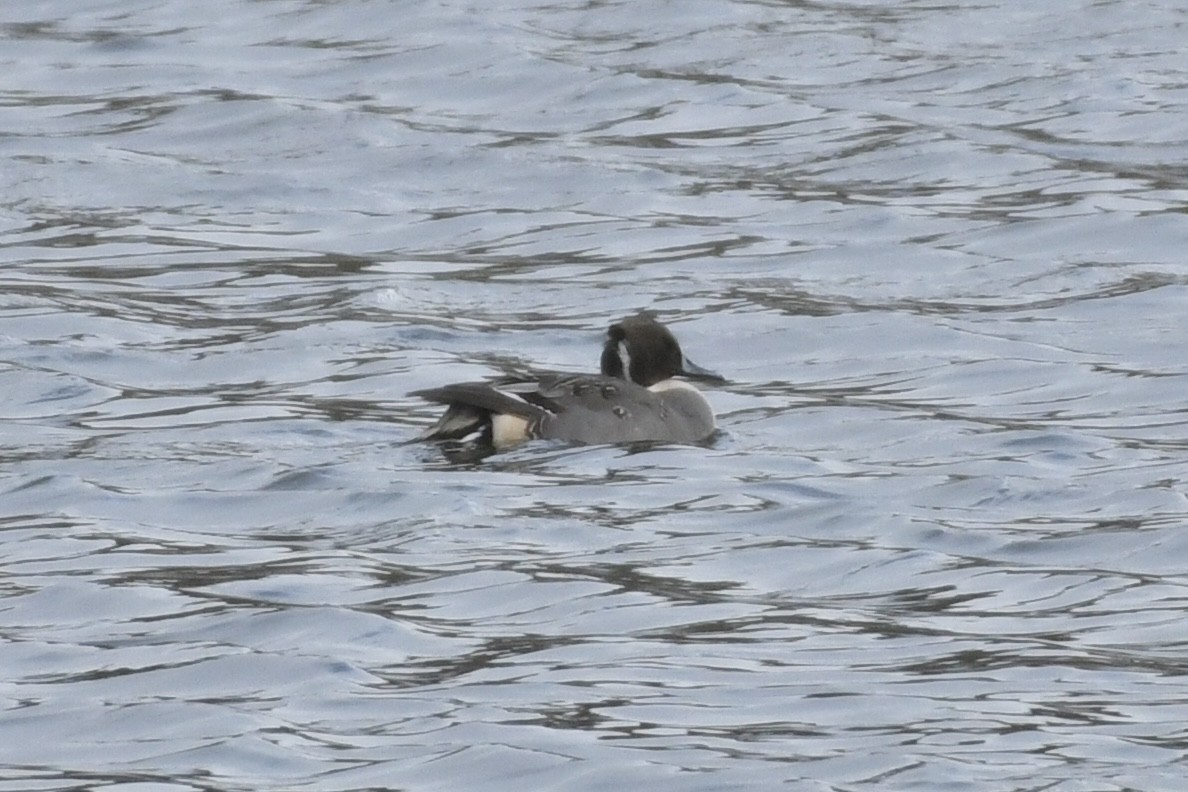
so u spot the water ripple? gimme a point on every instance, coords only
(936, 251)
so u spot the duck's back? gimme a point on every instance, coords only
(594, 409)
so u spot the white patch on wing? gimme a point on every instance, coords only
(508, 430)
(625, 359)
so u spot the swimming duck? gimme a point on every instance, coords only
(634, 399)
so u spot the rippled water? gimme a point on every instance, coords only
(937, 249)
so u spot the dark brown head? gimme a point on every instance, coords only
(644, 351)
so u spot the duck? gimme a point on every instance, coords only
(636, 398)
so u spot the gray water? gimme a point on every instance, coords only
(937, 248)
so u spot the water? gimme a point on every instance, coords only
(937, 249)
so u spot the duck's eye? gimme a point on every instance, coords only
(609, 391)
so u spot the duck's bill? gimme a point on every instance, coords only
(693, 371)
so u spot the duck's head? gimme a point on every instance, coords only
(644, 351)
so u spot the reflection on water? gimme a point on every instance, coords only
(936, 250)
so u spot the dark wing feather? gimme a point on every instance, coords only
(470, 405)
(484, 397)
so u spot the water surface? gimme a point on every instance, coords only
(937, 249)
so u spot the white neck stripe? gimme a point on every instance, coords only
(625, 359)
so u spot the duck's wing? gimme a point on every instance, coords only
(508, 399)
(470, 406)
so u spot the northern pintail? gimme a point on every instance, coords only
(635, 399)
